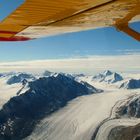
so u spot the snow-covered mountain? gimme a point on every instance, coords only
(130, 107)
(19, 115)
(92, 117)
(19, 78)
(48, 73)
(108, 77)
(131, 84)
(60, 106)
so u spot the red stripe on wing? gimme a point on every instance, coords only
(15, 38)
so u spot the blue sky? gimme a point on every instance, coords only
(106, 41)
(8, 6)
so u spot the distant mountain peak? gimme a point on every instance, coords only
(107, 72)
(108, 77)
(47, 73)
(19, 78)
(131, 84)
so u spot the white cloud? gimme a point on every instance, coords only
(91, 64)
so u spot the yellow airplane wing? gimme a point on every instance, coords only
(40, 18)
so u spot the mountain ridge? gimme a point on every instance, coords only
(45, 95)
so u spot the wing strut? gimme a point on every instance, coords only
(123, 24)
(126, 29)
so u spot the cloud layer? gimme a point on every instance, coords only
(89, 65)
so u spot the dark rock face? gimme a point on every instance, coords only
(79, 75)
(117, 77)
(19, 78)
(20, 114)
(108, 72)
(125, 133)
(130, 109)
(91, 88)
(131, 84)
(137, 138)
(116, 133)
(1, 75)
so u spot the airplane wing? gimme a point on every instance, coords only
(39, 18)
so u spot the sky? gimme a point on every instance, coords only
(104, 43)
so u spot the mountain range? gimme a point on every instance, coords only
(21, 113)
(38, 97)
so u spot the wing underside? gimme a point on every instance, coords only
(40, 18)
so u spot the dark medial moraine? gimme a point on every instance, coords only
(131, 109)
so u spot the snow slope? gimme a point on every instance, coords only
(11, 84)
(7, 91)
(82, 116)
(79, 119)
